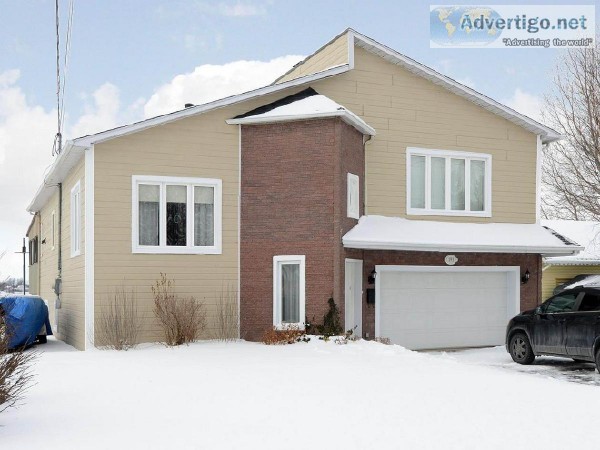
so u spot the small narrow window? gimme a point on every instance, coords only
(288, 291)
(76, 220)
(149, 214)
(353, 193)
(204, 216)
(176, 215)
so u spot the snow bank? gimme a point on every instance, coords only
(362, 395)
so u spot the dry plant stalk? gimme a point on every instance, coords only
(15, 370)
(119, 324)
(227, 317)
(182, 319)
(289, 335)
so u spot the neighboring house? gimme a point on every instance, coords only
(560, 269)
(262, 192)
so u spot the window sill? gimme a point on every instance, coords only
(177, 250)
(289, 326)
(441, 212)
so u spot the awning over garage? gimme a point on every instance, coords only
(395, 233)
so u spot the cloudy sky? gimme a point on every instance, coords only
(135, 59)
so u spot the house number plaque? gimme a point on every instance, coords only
(450, 260)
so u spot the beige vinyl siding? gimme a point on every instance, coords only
(409, 111)
(202, 146)
(68, 321)
(554, 275)
(333, 54)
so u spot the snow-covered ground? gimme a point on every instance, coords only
(564, 369)
(362, 395)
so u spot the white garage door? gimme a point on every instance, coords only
(445, 307)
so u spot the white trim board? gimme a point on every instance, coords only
(89, 282)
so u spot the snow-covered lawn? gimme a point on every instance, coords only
(362, 395)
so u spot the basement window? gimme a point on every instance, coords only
(176, 215)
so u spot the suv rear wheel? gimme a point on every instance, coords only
(520, 349)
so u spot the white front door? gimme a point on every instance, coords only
(353, 302)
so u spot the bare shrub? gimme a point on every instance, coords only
(289, 335)
(119, 324)
(227, 315)
(15, 370)
(182, 319)
(383, 340)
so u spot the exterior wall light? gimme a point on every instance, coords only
(525, 277)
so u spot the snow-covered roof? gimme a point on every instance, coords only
(585, 233)
(395, 233)
(307, 104)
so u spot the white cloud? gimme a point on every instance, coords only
(210, 82)
(525, 103)
(101, 115)
(26, 136)
(232, 9)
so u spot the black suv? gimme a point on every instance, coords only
(567, 324)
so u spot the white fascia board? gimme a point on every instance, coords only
(347, 116)
(548, 251)
(558, 261)
(86, 141)
(547, 133)
(63, 164)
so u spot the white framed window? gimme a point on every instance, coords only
(53, 229)
(353, 196)
(176, 215)
(76, 220)
(450, 183)
(289, 291)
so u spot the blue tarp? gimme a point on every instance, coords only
(25, 316)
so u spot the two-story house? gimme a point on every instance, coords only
(360, 175)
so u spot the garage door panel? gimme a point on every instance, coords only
(443, 309)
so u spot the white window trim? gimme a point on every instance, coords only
(75, 230)
(277, 261)
(53, 228)
(215, 183)
(467, 156)
(353, 211)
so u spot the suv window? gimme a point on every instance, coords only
(590, 302)
(561, 303)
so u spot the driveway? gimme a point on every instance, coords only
(545, 366)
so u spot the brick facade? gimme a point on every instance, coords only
(293, 202)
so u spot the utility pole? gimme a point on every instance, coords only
(24, 251)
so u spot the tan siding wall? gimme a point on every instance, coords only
(68, 324)
(409, 111)
(331, 55)
(201, 146)
(552, 274)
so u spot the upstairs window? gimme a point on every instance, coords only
(353, 196)
(176, 215)
(442, 182)
(33, 251)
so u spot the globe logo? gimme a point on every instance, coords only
(468, 26)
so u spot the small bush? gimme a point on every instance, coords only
(15, 370)
(182, 319)
(119, 324)
(331, 326)
(290, 335)
(227, 317)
